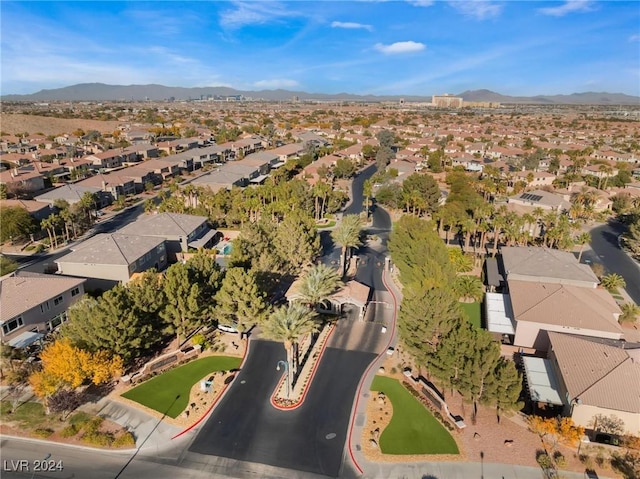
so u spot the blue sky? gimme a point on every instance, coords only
(416, 47)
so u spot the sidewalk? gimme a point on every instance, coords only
(149, 431)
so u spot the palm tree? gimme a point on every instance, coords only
(613, 281)
(630, 313)
(288, 324)
(582, 240)
(317, 284)
(367, 191)
(461, 262)
(468, 288)
(347, 235)
(498, 222)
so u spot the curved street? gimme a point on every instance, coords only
(606, 250)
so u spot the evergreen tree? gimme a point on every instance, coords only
(112, 323)
(479, 368)
(426, 316)
(419, 254)
(240, 302)
(296, 241)
(205, 272)
(504, 387)
(185, 303)
(16, 223)
(421, 187)
(448, 361)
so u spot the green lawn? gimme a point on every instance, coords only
(160, 392)
(413, 429)
(472, 310)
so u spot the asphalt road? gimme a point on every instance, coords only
(246, 427)
(605, 250)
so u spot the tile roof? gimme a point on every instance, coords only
(596, 373)
(115, 248)
(564, 305)
(164, 224)
(23, 291)
(544, 263)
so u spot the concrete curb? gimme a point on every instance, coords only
(368, 371)
(311, 376)
(216, 400)
(66, 444)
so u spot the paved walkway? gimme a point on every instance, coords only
(149, 431)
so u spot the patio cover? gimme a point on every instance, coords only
(259, 179)
(541, 381)
(499, 314)
(25, 339)
(200, 242)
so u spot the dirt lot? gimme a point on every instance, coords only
(13, 123)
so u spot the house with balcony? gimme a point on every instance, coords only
(34, 304)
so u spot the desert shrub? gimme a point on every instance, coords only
(627, 464)
(543, 459)
(70, 431)
(124, 439)
(43, 432)
(93, 425)
(559, 459)
(97, 438)
(79, 419)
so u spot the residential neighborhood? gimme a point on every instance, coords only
(401, 254)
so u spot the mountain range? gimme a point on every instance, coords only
(103, 92)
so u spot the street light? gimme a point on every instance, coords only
(285, 364)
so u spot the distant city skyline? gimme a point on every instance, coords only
(416, 47)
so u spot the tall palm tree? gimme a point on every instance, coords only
(347, 235)
(317, 284)
(288, 324)
(582, 240)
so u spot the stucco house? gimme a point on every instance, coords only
(597, 377)
(107, 259)
(179, 231)
(34, 304)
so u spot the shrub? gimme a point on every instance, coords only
(79, 419)
(559, 459)
(70, 431)
(544, 460)
(97, 438)
(93, 425)
(43, 432)
(124, 439)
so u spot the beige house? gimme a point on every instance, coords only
(539, 308)
(107, 259)
(596, 377)
(33, 304)
(353, 292)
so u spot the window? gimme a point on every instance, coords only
(57, 321)
(75, 292)
(58, 300)
(12, 325)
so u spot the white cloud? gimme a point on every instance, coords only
(570, 6)
(479, 9)
(351, 25)
(276, 83)
(400, 47)
(421, 3)
(634, 38)
(254, 13)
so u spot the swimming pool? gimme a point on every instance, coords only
(226, 250)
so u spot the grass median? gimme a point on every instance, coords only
(168, 393)
(413, 429)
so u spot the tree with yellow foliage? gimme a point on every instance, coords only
(66, 366)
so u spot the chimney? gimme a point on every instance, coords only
(104, 186)
(15, 172)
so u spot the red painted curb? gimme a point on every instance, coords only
(353, 418)
(313, 373)
(216, 400)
